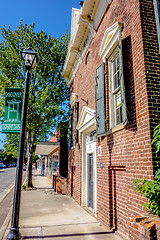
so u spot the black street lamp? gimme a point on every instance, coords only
(29, 59)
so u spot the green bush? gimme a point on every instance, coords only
(156, 139)
(151, 190)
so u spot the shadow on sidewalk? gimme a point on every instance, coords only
(67, 235)
(47, 215)
(38, 175)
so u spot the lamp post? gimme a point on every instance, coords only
(29, 59)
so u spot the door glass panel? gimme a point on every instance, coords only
(90, 178)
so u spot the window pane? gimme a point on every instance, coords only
(116, 77)
(119, 115)
(118, 99)
(118, 108)
(116, 92)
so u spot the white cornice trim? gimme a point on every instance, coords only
(67, 81)
(94, 9)
(102, 6)
(80, 57)
(74, 22)
(83, 21)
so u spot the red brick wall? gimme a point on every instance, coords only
(128, 151)
(74, 174)
(152, 60)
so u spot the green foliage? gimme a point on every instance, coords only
(8, 158)
(156, 139)
(48, 91)
(11, 146)
(24, 187)
(34, 157)
(151, 189)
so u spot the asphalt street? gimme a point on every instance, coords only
(7, 180)
(5, 206)
(7, 176)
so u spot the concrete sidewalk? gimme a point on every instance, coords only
(45, 215)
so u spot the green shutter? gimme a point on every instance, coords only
(100, 101)
(69, 135)
(124, 110)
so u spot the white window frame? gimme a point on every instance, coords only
(112, 91)
(112, 39)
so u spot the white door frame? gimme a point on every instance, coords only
(91, 149)
(87, 124)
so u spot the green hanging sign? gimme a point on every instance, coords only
(13, 108)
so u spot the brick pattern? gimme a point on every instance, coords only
(152, 60)
(148, 227)
(126, 154)
(61, 185)
(74, 174)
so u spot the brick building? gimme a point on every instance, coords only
(113, 71)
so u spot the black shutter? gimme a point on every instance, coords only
(77, 117)
(100, 101)
(122, 86)
(69, 135)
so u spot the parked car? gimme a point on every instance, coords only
(2, 165)
(12, 165)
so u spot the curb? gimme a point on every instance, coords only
(8, 218)
(9, 215)
(5, 224)
(6, 191)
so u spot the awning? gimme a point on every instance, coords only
(46, 148)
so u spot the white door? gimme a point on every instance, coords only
(91, 176)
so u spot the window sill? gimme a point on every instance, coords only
(116, 129)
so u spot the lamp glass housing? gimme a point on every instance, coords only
(29, 57)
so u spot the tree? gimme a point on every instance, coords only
(7, 158)
(11, 145)
(48, 97)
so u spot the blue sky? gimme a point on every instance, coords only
(51, 16)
